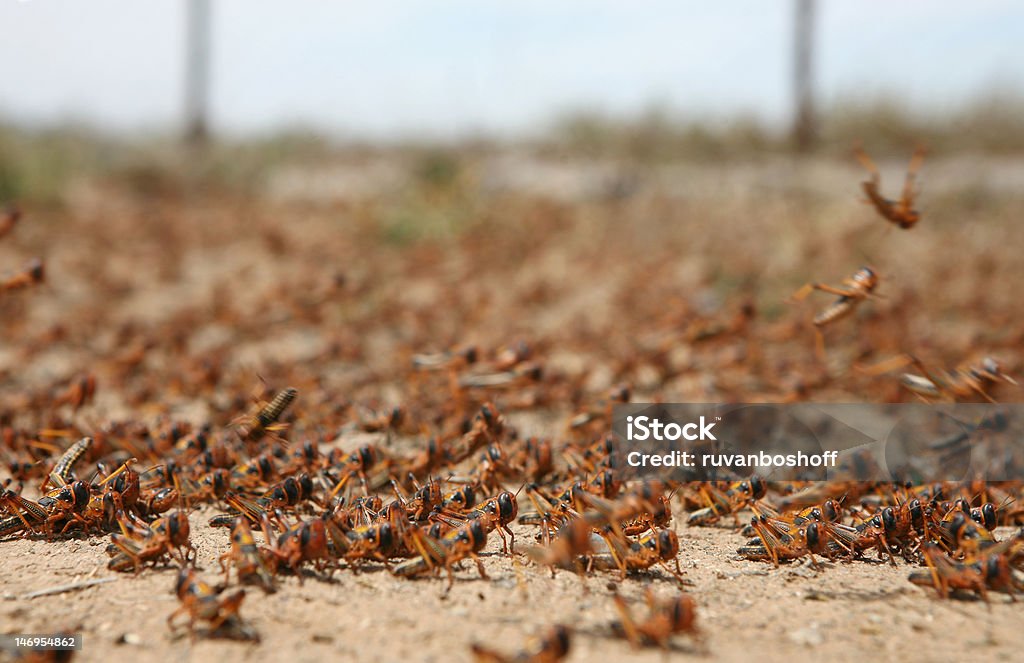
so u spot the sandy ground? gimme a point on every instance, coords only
(249, 283)
(843, 612)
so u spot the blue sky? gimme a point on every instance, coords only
(448, 67)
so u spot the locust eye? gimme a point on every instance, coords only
(957, 523)
(888, 518)
(993, 568)
(506, 507)
(813, 535)
(81, 492)
(665, 542)
(487, 415)
(386, 536)
(988, 515)
(183, 576)
(678, 611)
(562, 638)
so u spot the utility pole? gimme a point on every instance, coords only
(805, 131)
(197, 71)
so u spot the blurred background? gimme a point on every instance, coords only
(664, 79)
(182, 162)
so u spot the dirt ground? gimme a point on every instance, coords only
(841, 612)
(332, 278)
